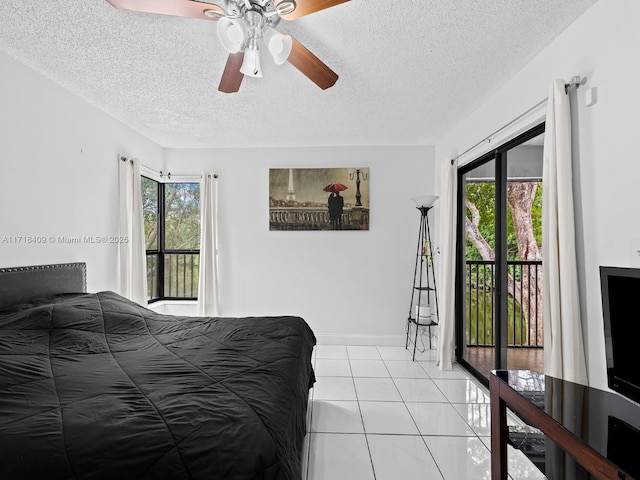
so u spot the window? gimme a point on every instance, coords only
(172, 236)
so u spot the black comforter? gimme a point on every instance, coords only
(93, 386)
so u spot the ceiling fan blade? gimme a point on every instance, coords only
(311, 66)
(305, 7)
(232, 76)
(178, 8)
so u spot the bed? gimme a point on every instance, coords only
(93, 386)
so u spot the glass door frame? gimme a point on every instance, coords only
(501, 292)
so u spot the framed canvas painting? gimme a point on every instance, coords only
(319, 199)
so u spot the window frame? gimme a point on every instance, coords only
(161, 252)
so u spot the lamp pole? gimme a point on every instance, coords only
(357, 174)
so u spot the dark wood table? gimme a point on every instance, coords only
(599, 430)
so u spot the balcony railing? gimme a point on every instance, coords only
(524, 303)
(180, 275)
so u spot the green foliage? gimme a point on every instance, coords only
(479, 306)
(182, 216)
(479, 309)
(483, 196)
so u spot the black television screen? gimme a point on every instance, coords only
(620, 297)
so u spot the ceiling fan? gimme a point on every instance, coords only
(241, 24)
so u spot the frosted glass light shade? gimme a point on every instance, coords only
(232, 33)
(279, 45)
(425, 201)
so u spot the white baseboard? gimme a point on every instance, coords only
(360, 339)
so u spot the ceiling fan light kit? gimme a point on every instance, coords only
(241, 24)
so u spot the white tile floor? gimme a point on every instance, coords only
(374, 414)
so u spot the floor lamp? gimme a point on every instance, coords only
(423, 310)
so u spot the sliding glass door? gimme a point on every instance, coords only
(499, 292)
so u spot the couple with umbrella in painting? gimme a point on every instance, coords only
(336, 204)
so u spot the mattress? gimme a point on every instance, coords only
(93, 386)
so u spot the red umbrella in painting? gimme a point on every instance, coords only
(335, 187)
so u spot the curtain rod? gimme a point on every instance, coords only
(169, 175)
(161, 174)
(576, 81)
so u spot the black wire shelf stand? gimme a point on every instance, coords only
(423, 309)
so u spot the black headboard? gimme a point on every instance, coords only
(20, 284)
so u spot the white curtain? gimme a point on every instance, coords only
(132, 258)
(563, 345)
(447, 276)
(208, 276)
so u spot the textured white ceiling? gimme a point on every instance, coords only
(409, 69)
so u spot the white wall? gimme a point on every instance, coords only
(602, 45)
(59, 159)
(346, 284)
(59, 174)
